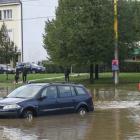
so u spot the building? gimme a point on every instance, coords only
(11, 15)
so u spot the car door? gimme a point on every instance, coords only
(48, 100)
(66, 98)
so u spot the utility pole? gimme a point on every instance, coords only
(116, 72)
(6, 46)
(22, 50)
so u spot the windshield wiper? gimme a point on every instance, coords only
(4, 97)
(19, 97)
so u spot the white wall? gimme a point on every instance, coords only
(14, 24)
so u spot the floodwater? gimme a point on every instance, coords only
(116, 117)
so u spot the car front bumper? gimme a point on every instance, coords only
(10, 113)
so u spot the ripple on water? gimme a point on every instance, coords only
(117, 104)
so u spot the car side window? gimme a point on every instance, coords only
(64, 91)
(44, 93)
(73, 91)
(50, 92)
(80, 91)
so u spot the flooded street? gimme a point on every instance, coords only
(116, 117)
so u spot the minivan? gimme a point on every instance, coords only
(36, 99)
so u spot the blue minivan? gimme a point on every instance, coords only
(36, 99)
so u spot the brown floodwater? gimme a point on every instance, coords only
(116, 117)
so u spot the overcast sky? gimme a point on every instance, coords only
(33, 27)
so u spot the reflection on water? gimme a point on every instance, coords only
(111, 94)
(116, 117)
(117, 104)
(67, 127)
(106, 98)
(101, 125)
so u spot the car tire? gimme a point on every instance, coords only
(82, 111)
(27, 114)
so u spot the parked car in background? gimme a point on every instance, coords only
(42, 98)
(20, 66)
(31, 67)
(37, 68)
(6, 69)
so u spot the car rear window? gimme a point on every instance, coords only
(64, 91)
(80, 91)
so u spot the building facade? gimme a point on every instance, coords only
(11, 15)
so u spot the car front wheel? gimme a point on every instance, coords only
(28, 114)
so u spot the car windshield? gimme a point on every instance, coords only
(27, 91)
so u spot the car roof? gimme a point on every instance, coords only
(56, 83)
(38, 84)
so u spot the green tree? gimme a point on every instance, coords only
(83, 31)
(7, 47)
(79, 34)
(129, 28)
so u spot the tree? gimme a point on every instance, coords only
(129, 27)
(78, 34)
(7, 47)
(83, 31)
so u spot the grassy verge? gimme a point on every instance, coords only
(105, 79)
(10, 81)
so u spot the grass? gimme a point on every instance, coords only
(41, 76)
(10, 80)
(105, 79)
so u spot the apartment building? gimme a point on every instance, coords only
(11, 15)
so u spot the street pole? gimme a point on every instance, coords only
(22, 49)
(116, 72)
(6, 62)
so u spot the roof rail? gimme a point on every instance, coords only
(58, 82)
(63, 82)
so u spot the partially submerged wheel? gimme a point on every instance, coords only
(82, 111)
(27, 114)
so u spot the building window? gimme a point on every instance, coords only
(0, 15)
(7, 14)
(4, 15)
(10, 33)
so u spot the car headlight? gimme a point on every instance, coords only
(14, 106)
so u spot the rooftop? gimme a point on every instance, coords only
(9, 1)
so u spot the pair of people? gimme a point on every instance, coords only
(24, 75)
